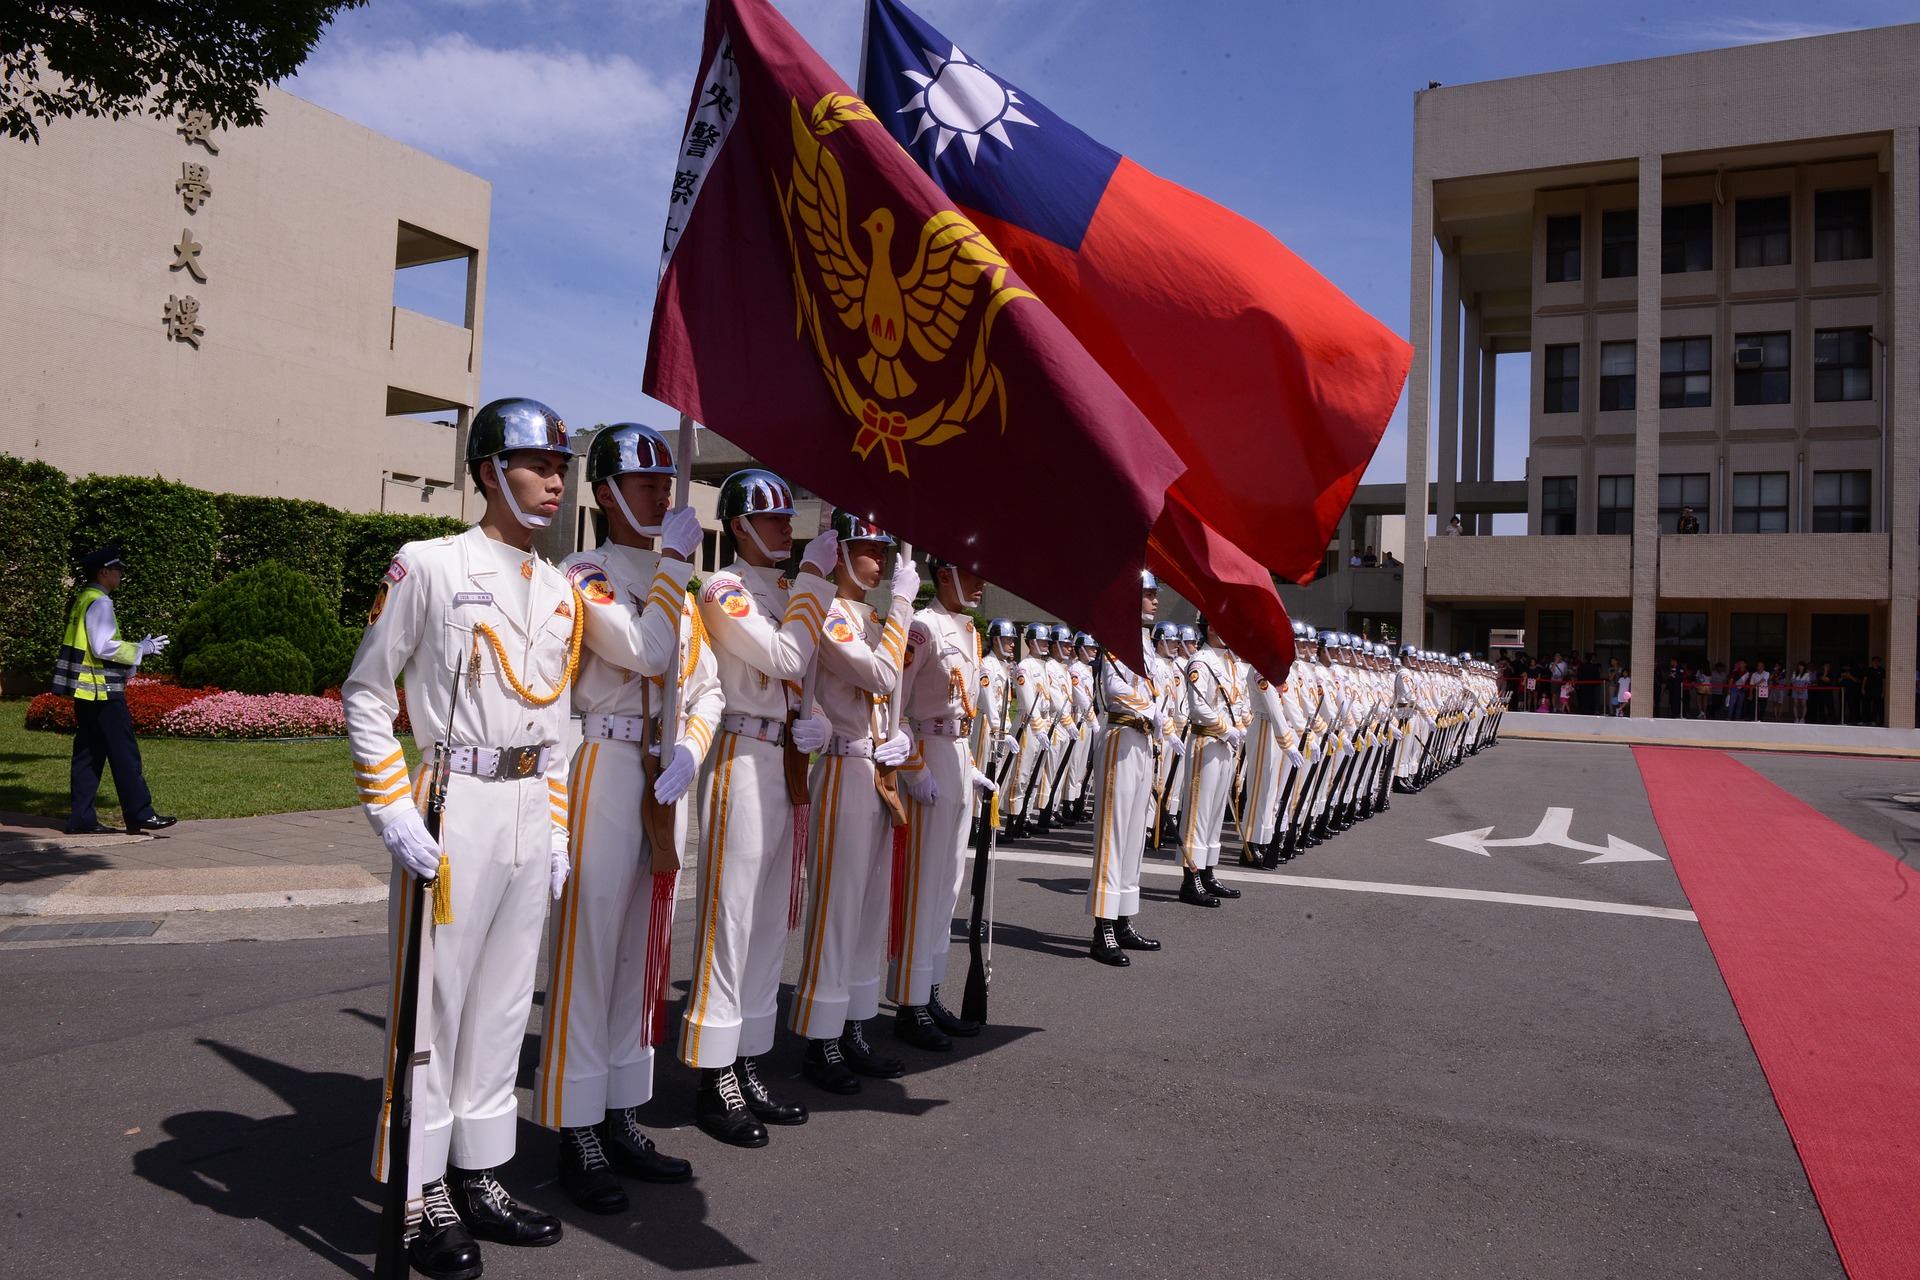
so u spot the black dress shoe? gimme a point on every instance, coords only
(442, 1248)
(158, 822)
(632, 1152)
(1105, 948)
(1211, 883)
(946, 1019)
(760, 1102)
(586, 1175)
(1131, 939)
(1192, 894)
(863, 1060)
(721, 1110)
(491, 1214)
(95, 830)
(914, 1025)
(827, 1067)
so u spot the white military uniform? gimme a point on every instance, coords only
(1165, 675)
(1123, 788)
(506, 800)
(943, 665)
(1033, 710)
(612, 928)
(1056, 785)
(1080, 691)
(1269, 737)
(1210, 764)
(764, 634)
(851, 842)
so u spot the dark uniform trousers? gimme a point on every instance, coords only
(105, 740)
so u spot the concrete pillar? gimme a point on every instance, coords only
(1449, 351)
(1903, 430)
(1489, 368)
(1646, 442)
(1413, 578)
(1470, 401)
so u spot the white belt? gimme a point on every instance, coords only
(774, 731)
(951, 727)
(841, 745)
(496, 763)
(616, 728)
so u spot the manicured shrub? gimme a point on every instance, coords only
(170, 534)
(367, 546)
(304, 536)
(34, 543)
(267, 665)
(268, 600)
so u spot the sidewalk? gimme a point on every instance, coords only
(1744, 735)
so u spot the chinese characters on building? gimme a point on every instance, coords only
(194, 187)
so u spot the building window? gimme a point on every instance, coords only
(1559, 504)
(1757, 638)
(1682, 636)
(1679, 491)
(1613, 639)
(1616, 375)
(1563, 248)
(1686, 238)
(1842, 225)
(1762, 370)
(1616, 504)
(1843, 364)
(1563, 379)
(1763, 231)
(1842, 501)
(1760, 502)
(1686, 373)
(1839, 638)
(1556, 632)
(1619, 243)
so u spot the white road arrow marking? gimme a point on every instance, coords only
(1555, 829)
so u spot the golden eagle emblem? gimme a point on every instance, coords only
(902, 325)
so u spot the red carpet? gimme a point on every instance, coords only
(1817, 933)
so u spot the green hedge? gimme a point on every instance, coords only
(227, 624)
(304, 536)
(267, 665)
(170, 534)
(367, 547)
(35, 540)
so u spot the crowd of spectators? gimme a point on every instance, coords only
(1579, 684)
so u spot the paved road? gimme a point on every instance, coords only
(1310, 1081)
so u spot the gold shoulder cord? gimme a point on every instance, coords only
(573, 656)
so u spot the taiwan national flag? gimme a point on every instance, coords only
(1271, 384)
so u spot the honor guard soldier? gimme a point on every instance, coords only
(1054, 790)
(1210, 777)
(943, 670)
(1269, 737)
(1033, 709)
(1164, 667)
(92, 668)
(994, 745)
(483, 612)
(1123, 793)
(1085, 653)
(851, 856)
(611, 929)
(764, 632)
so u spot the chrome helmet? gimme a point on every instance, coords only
(1001, 629)
(1062, 634)
(625, 449)
(854, 528)
(753, 492)
(506, 426)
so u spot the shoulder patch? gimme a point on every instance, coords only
(379, 601)
(396, 570)
(591, 581)
(730, 596)
(838, 628)
(919, 633)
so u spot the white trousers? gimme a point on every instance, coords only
(746, 877)
(1209, 780)
(1260, 802)
(850, 881)
(499, 841)
(596, 1047)
(1033, 755)
(1122, 807)
(936, 861)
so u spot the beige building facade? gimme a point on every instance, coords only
(217, 307)
(1713, 262)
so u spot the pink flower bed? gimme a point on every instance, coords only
(247, 715)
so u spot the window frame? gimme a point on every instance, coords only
(1619, 391)
(1772, 382)
(1560, 256)
(1830, 374)
(1696, 361)
(1619, 254)
(1561, 488)
(1686, 233)
(1763, 231)
(1611, 515)
(1560, 390)
(1838, 233)
(1670, 511)
(1761, 511)
(1840, 514)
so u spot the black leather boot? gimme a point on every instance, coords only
(1106, 948)
(914, 1025)
(861, 1057)
(586, 1175)
(1130, 938)
(760, 1102)
(827, 1067)
(1192, 894)
(442, 1248)
(946, 1019)
(721, 1110)
(491, 1214)
(632, 1152)
(1270, 854)
(1211, 883)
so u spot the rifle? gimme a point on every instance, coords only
(973, 997)
(398, 1207)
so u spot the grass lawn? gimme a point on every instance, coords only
(189, 779)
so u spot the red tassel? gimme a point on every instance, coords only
(802, 817)
(653, 989)
(897, 917)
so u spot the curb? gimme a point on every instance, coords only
(116, 892)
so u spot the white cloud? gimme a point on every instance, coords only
(1731, 31)
(467, 102)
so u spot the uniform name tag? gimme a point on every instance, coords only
(473, 597)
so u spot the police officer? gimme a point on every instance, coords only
(482, 609)
(92, 668)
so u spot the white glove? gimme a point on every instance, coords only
(1010, 745)
(407, 840)
(677, 776)
(151, 645)
(680, 532)
(1235, 737)
(920, 786)
(1295, 759)
(811, 734)
(561, 865)
(983, 784)
(894, 750)
(906, 578)
(1176, 746)
(821, 555)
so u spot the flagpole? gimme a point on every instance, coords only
(866, 27)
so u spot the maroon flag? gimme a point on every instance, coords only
(1230, 587)
(824, 305)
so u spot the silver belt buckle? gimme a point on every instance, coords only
(518, 762)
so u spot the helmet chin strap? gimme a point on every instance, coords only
(513, 503)
(633, 521)
(755, 535)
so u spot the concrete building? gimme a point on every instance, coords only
(1713, 261)
(218, 307)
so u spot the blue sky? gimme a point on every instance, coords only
(1298, 116)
